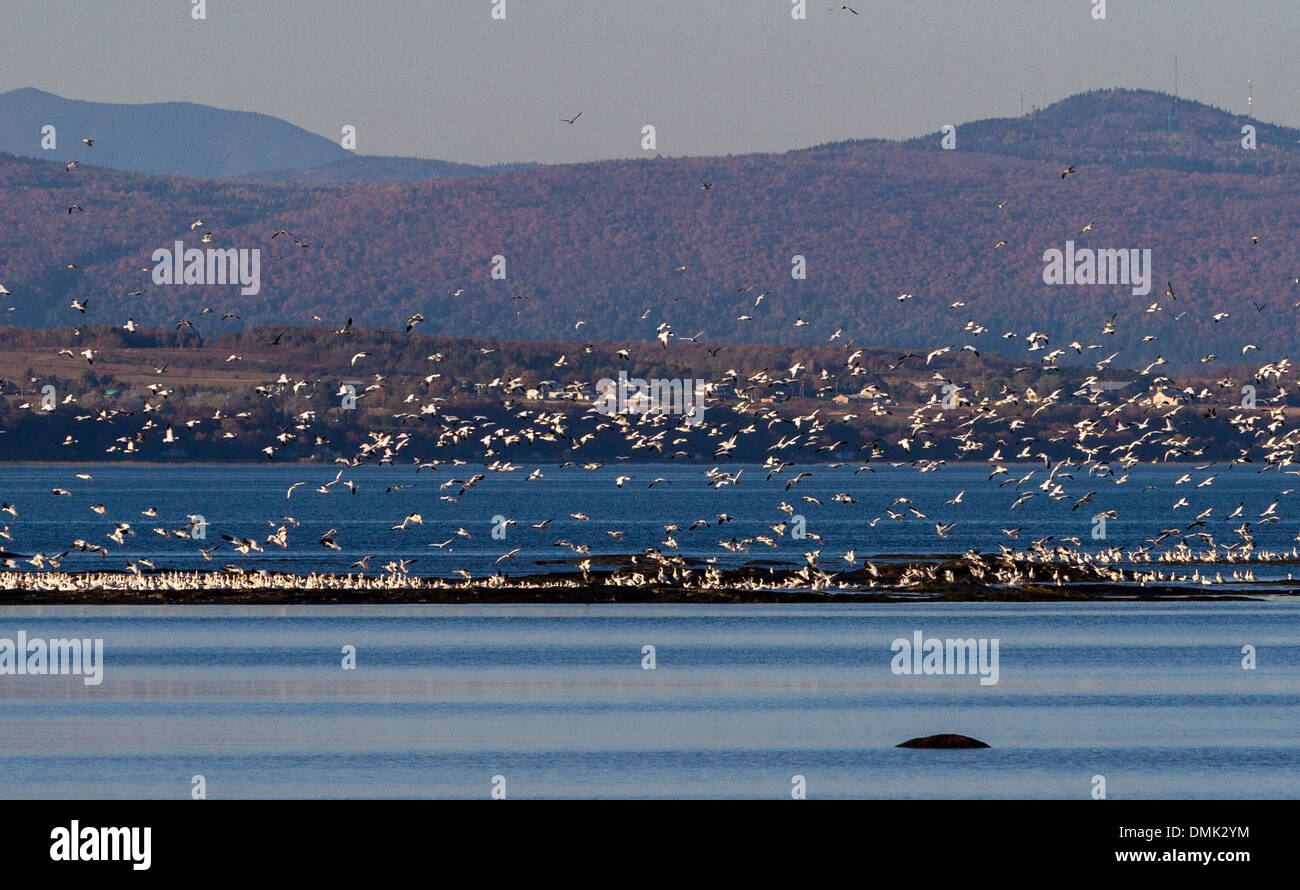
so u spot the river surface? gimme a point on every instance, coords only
(557, 702)
(249, 501)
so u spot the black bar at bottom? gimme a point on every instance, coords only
(335, 839)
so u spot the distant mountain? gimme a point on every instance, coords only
(594, 250)
(374, 168)
(1132, 129)
(186, 139)
(168, 138)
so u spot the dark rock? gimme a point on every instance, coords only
(943, 740)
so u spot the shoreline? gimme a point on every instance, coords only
(899, 578)
(535, 592)
(260, 461)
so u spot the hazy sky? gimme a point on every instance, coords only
(442, 79)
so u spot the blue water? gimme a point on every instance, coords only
(249, 501)
(554, 699)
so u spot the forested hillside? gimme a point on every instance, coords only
(619, 249)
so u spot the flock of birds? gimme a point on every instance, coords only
(1105, 447)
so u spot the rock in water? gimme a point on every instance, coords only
(944, 740)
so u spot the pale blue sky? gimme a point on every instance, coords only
(440, 78)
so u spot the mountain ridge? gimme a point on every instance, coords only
(195, 140)
(600, 243)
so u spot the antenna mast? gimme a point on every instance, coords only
(1175, 98)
